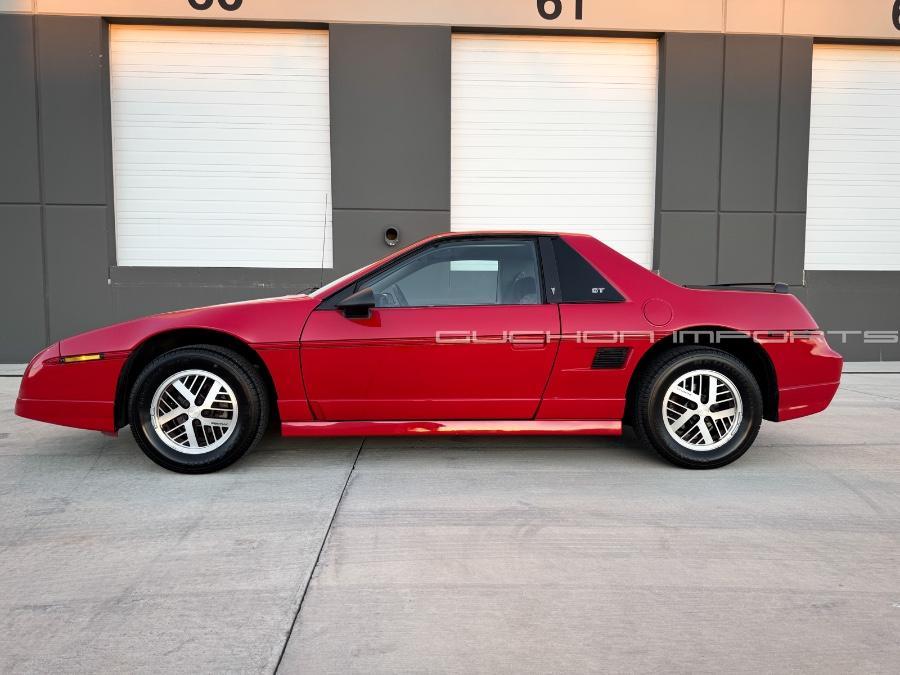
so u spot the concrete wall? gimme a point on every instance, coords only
(731, 191)
(733, 144)
(390, 136)
(390, 99)
(21, 234)
(856, 301)
(733, 155)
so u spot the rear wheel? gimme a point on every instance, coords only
(198, 409)
(698, 407)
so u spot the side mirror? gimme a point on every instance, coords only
(359, 305)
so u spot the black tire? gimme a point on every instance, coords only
(238, 373)
(649, 422)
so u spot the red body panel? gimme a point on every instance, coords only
(497, 369)
(390, 365)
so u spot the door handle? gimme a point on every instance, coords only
(535, 340)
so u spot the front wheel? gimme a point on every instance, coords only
(698, 407)
(198, 409)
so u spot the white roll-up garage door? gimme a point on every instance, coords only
(853, 204)
(221, 146)
(556, 133)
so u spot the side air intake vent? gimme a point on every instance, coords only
(609, 358)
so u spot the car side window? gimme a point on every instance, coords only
(497, 272)
(579, 281)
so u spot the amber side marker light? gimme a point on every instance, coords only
(80, 357)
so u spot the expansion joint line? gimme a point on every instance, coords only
(312, 572)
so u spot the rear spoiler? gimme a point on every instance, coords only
(776, 287)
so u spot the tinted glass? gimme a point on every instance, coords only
(578, 279)
(498, 272)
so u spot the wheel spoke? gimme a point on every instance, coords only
(704, 432)
(171, 415)
(191, 436)
(214, 391)
(680, 422)
(722, 414)
(182, 389)
(713, 391)
(683, 391)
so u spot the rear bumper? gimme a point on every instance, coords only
(808, 373)
(795, 402)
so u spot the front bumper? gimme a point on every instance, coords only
(94, 415)
(80, 395)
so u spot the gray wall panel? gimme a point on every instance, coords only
(132, 301)
(77, 286)
(215, 276)
(19, 169)
(750, 122)
(22, 281)
(691, 103)
(759, 151)
(746, 242)
(138, 291)
(390, 116)
(73, 134)
(359, 235)
(689, 242)
(790, 239)
(856, 301)
(793, 128)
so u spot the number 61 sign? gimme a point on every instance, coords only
(551, 9)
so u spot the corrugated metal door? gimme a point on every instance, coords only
(556, 133)
(853, 198)
(221, 146)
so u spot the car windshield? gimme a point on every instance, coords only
(331, 285)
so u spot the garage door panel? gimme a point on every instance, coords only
(221, 146)
(288, 101)
(231, 149)
(555, 133)
(276, 182)
(202, 134)
(202, 42)
(543, 156)
(221, 87)
(861, 143)
(853, 214)
(204, 113)
(513, 190)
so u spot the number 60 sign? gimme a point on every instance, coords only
(227, 5)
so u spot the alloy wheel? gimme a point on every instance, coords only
(194, 411)
(702, 410)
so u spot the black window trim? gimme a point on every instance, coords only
(332, 300)
(549, 271)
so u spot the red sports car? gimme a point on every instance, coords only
(475, 333)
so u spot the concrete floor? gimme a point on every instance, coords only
(459, 555)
